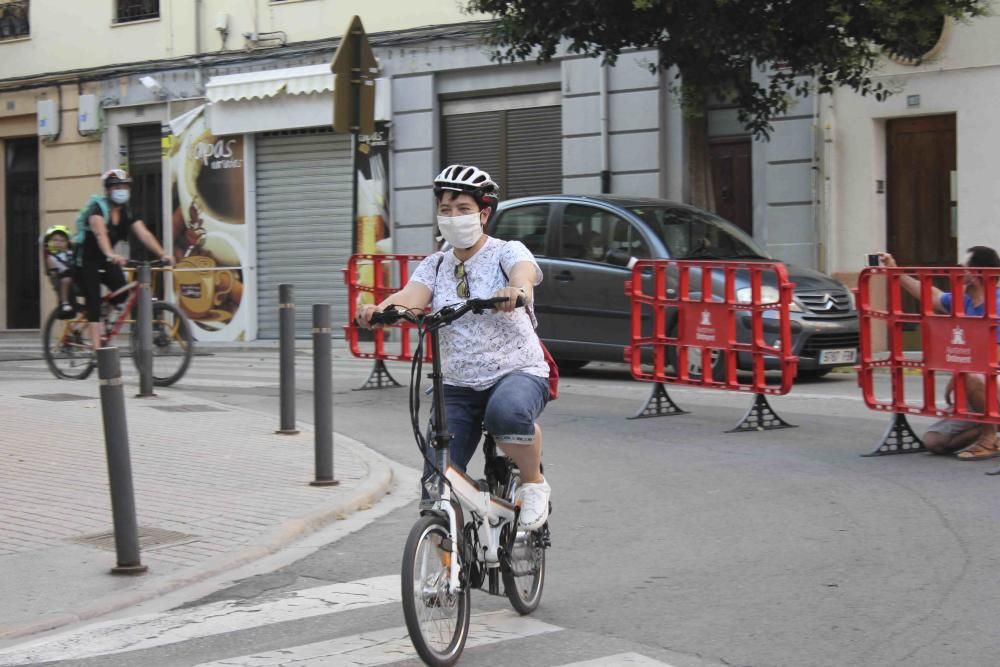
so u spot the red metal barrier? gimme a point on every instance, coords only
(701, 308)
(370, 279)
(952, 344)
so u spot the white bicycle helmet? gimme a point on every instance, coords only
(113, 177)
(468, 179)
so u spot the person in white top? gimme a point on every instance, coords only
(495, 372)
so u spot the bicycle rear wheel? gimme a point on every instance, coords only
(524, 579)
(67, 348)
(438, 621)
(173, 344)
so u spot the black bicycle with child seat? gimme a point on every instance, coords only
(68, 350)
(468, 536)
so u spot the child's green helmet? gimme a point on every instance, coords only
(55, 229)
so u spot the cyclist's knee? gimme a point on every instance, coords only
(511, 424)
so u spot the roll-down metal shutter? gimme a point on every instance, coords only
(303, 224)
(144, 146)
(520, 148)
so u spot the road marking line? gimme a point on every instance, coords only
(619, 659)
(214, 618)
(387, 646)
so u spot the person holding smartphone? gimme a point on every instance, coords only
(967, 440)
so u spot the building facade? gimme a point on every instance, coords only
(222, 110)
(914, 174)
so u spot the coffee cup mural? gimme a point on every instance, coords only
(209, 232)
(212, 162)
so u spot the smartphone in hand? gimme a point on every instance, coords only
(873, 259)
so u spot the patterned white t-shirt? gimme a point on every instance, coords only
(478, 350)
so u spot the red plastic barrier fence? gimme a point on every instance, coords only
(683, 308)
(954, 344)
(377, 273)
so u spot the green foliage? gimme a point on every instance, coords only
(803, 44)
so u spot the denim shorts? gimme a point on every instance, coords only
(508, 410)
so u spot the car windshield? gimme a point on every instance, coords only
(689, 233)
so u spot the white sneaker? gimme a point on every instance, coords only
(534, 501)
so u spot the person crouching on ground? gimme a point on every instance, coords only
(967, 440)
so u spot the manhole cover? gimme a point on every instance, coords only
(187, 408)
(149, 538)
(60, 397)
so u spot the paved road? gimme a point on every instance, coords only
(672, 540)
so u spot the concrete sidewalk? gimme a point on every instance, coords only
(214, 488)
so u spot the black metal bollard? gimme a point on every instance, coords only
(286, 321)
(323, 396)
(144, 322)
(109, 372)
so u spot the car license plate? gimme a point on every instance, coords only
(827, 357)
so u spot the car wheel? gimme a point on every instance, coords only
(814, 373)
(570, 365)
(718, 358)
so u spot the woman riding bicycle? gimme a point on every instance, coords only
(494, 369)
(103, 222)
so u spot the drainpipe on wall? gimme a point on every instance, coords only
(829, 173)
(814, 184)
(605, 138)
(197, 27)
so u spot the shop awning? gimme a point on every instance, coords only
(269, 83)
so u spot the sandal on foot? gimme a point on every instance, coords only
(979, 452)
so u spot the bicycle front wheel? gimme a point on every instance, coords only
(524, 578)
(173, 344)
(67, 348)
(438, 621)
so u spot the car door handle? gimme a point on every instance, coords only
(564, 276)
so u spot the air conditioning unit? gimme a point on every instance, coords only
(88, 115)
(48, 119)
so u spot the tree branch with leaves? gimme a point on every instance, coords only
(799, 46)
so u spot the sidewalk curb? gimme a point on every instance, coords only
(377, 483)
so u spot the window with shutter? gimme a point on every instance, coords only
(520, 148)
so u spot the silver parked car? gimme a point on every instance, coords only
(584, 245)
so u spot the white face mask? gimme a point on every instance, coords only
(461, 231)
(120, 196)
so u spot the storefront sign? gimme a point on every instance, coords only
(372, 227)
(209, 231)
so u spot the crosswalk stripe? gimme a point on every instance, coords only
(618, 660)
(152, 630)
(387, 646)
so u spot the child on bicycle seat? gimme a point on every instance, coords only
(59, 267)
(495, 372)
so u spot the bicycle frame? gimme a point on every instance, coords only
(491, 512)
(133, 297)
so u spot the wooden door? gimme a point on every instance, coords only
(732, 181)
(920, 161)
(23, 296)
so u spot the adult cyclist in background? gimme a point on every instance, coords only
(103, 222)
(495, 373)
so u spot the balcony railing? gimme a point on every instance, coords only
(136, 10)
(14, 19)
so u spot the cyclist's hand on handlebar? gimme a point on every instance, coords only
(512, 302)
(118, 259)
(364, 316)
(168, 260)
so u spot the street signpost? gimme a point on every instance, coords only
(354, 70)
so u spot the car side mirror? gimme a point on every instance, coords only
(618, 257)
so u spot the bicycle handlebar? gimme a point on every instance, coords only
(445, 316)
(134, 264)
